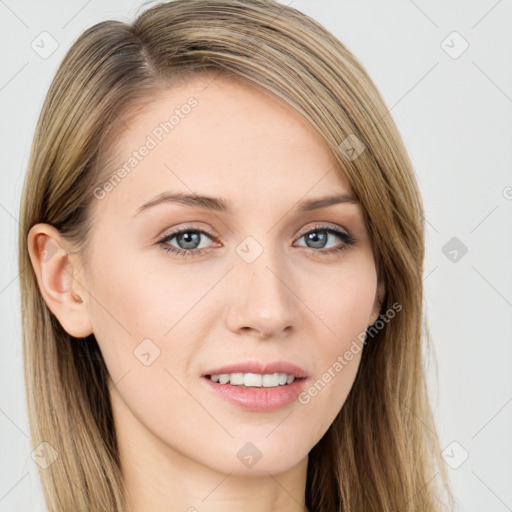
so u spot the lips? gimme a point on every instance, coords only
(261, 368)
(263, 395)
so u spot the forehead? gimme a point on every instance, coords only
(222, 137)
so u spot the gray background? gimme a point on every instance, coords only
(455, 115)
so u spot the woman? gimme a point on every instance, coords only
(221, 259)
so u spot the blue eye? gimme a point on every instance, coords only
(319, 237)
(189, 238)
(189, 241)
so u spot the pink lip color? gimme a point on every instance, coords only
(258, 399)
(254, 398)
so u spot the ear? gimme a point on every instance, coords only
(377, 305)
(57, 272)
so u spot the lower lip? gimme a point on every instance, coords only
(258, 399)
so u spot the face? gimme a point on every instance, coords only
(177, 290)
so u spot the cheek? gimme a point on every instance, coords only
(150, 322)
(345, 308)
(135, 299)
(345, 302)
(146, 319)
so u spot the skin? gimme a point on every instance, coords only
(178, 440)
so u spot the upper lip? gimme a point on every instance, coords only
(260, 367)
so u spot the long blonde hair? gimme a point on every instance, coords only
(381, 453)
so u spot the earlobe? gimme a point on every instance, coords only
(56, 273)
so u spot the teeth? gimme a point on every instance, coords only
(237, 379)
(224, 378)
(267, 380)
(253, 379)
(271, 381)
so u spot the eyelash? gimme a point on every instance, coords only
(348, 240)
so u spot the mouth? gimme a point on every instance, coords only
(257, 374)
(257, 386)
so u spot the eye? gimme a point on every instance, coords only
(188, 241)
(320, 236)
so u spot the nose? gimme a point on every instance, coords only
(262, 301)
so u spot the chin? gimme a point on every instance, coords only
(257, 457)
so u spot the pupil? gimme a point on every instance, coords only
(318, 240)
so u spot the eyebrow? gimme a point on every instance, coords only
(219, 204)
